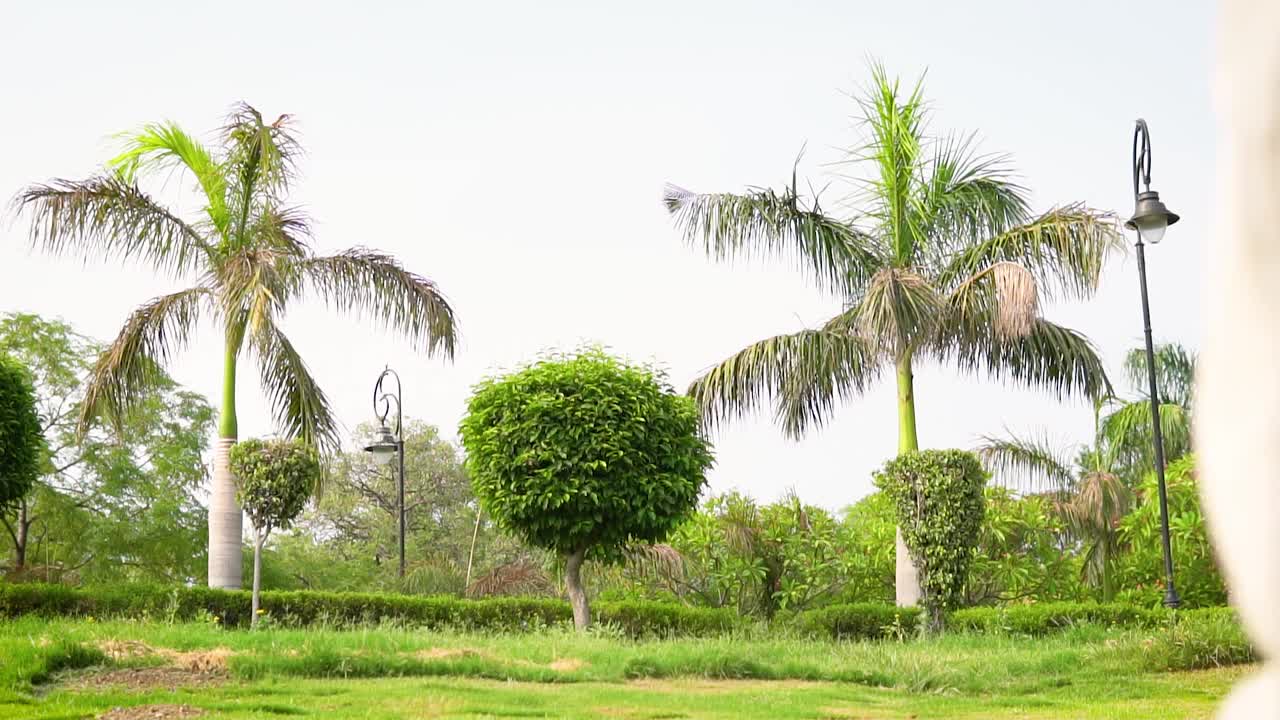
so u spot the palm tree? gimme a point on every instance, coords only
(1089, 494)
(1129, 426)
(249, 257)
(945, 262)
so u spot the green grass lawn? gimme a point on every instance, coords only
(393, 673)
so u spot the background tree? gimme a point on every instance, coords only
(1128, 426)
(347, 538)
(584, 454)
(938, 496)
(274, 480)
(109, 506)
(944, 261)
(250, 256)
(22, 447)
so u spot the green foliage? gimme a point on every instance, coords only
(1196, 574)
(274, 478)
(869, 535)
(130, 495)
(1200, 639)
(584, 451)
(22, 445)
(859, 621)
(1024, 552)
(315, 609)
(1045, 618)
(939, 502)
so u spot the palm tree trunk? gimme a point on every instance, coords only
(906, 577)
(225, 517)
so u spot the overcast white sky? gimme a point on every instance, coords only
(515, 153)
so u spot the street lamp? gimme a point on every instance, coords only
(389, 445)
(1150, 219)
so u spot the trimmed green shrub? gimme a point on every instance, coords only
(584, 455)
(858, 621)
(940, 506)
(306, 608)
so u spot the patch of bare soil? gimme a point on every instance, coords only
(567, 665)
(152, 712)
(196, 661)
(439, 653)
(146, 678)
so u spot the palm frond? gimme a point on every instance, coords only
(1065, 249)
(1047, 356)
(298, 405)
(765, 223)
(969, 197)
(150, 338)
(1005, 292)
(897, 310)
(261, 164)
(376, 284)
(803, 374)
(111, 217)
(162, 146)
(1175, 372)
(896, 124)
(1128, 430)
(1028, 463)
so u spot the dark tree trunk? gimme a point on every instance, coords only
(20, 542)
(577, 595)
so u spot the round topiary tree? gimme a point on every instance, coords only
(22, 446)
(938, 497)
(274, 479)
(582, 455)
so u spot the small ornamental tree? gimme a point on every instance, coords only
(22, 447)
(274, 479)
(583, 455)
(938, 496)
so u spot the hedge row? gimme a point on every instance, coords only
(305, 608)
(859, 621)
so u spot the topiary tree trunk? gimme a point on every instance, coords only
(573, 587)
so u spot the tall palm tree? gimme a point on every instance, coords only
(249, 257)
(944, 262)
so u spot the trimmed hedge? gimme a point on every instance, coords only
(1045, 618)
(303, 608)
(857, 621)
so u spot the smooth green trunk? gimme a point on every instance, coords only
(906, 578)
(907, 440)
(227, 426)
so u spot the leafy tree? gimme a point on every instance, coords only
(939, 502)
(250, 256)
(944, 261)
(584, 454)
(274, 480)
(109, 506)
(347, 539)
(1026, 551)
(22, 447)
(1196, 573)
(1128, 427)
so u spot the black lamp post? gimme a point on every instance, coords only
(388, 445)
(1150, 219)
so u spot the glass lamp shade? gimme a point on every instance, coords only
(384, 448)
(1150, 217)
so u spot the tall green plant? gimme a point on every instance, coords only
(249, 254)
(944, 261)
(584, 454)
(938, 495)
(22, 446)
(273, 481)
